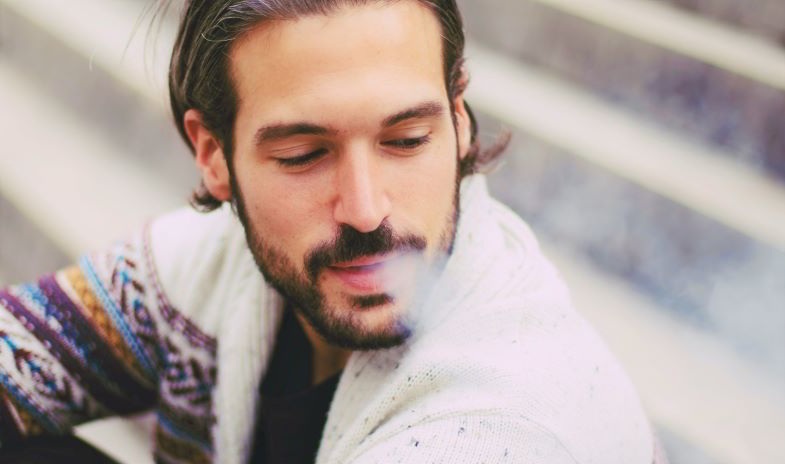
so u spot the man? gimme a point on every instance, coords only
(401, 314)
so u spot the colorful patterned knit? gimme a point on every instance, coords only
(100, 339)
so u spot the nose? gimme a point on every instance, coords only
(362, 202)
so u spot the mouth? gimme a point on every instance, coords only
(363, 275)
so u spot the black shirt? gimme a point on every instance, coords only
(292, 414)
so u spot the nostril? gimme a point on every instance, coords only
(363, 214)
(362, 201)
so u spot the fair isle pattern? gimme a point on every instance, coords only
(185, 409)
(65, 359)
(101, 339)
(70, 337)
(172, 448)
(174, 318)
(14, 418)
(36, 388)
(93, 311)
(121, 300)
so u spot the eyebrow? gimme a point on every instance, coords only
(425, 110)
(430, 109)
(282, 131)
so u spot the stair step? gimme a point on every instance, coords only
(111, 37)
(102, 192)
(763, 17)
(685, 73)
(685, 34)
(661, 162)
(25, 252)
(102, 68)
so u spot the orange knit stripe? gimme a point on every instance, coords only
(92, 309)
(178, 449)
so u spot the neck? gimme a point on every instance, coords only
(328, 360)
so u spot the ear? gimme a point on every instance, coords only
(463, 126)
(209, 156)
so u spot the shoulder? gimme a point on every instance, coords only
(540, 369)
(507, 389)
(198, 260)
(555, 368)
(184, 238)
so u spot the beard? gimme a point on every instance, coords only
(344, 326)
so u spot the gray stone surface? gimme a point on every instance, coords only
(97, 99)
(763, 17)
(682, 452)
(700, 101)
(25, 252)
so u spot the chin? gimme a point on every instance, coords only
(365, 322)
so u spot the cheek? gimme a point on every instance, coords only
(283, 212)
(428, 189)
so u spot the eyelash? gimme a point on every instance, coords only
(409, 143)
(303, 159)
(401, 144)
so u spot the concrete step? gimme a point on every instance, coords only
(763, 17)
(102, 67)
(25, 252)
(55, 143)
(707, 81)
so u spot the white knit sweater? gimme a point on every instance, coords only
(500, 368)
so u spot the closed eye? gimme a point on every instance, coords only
(302, 160)
(408, 143)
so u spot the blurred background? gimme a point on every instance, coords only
(648, 155)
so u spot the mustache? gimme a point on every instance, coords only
(351, 244)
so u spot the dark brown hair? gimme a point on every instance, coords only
(199, 74)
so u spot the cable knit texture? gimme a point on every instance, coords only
(499, 367)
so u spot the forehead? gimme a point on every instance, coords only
(380, 53)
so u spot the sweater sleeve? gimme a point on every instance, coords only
(468, 439)
(77, 345)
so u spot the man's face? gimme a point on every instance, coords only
(345, 164)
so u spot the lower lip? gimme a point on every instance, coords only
(363, 279)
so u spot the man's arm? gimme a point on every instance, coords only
(77, 345)
(469, 439)
(489, 439)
